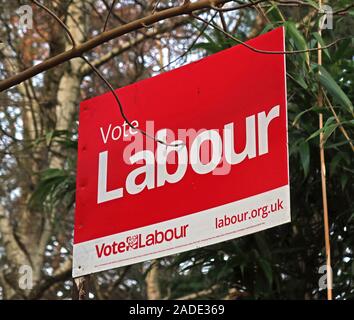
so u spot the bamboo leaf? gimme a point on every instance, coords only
(321, 42)
(343, 180)
(334, 89)
(298, 116)
(49, 137)
(304, 151)
(334, 163)
(299, 40)
(327, 130)
(267, 269)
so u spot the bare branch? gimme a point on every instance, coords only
(108, 15)
(267, 51)
(344, 10)
(109, 86)
(58, 20)
(199, 294)
(14, 251)
(189, 48)
(106, 36)
(86, 69)
(93, 67)
(344, 132)
(61, 274)
(242, 6)
(258, 2)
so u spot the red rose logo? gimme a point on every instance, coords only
(132, 241)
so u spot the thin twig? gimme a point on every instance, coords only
(344, 10)
(223, 21)
(189, 48)
(187, 8)
(105, 37)
(261, 12)
(85, 70)
(323, 180)
(345, 133)
(103, 78)
(267, 51)
(108, 15)
(148, 26)
(155, 6)
(64, 26)
(242, 6)
(254, 3)
(109, 86)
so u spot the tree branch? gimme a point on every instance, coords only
(61, 274)
(190, 47)
(106, 36)
(266, 51)
(63, 25)
(108, 15)
(86, 69)
(344, 132)
(13, 250)
(199, 294)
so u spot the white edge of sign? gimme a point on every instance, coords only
(201, 232)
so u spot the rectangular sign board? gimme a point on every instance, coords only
(221, 173)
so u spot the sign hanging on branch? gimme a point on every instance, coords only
(221, 174)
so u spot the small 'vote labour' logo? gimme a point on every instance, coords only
(132, 241)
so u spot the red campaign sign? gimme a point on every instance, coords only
(222, 172)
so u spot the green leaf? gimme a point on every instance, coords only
(298, 116)
(51, 173)
(49, 137)
(334, 163)
(208, 47)
(56, 186)
(344, 47)
(334, 90)
(321, 42)
(268, 27)
(267, 269)
(336, 145)
(343, 180)
(299, 40)
(327, 129)
(313, 3)
(263, 245)
(299, 80)
(304, 151)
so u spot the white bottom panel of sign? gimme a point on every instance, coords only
(193, 231)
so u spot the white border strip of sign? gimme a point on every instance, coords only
(199, 228)
(286, 106)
